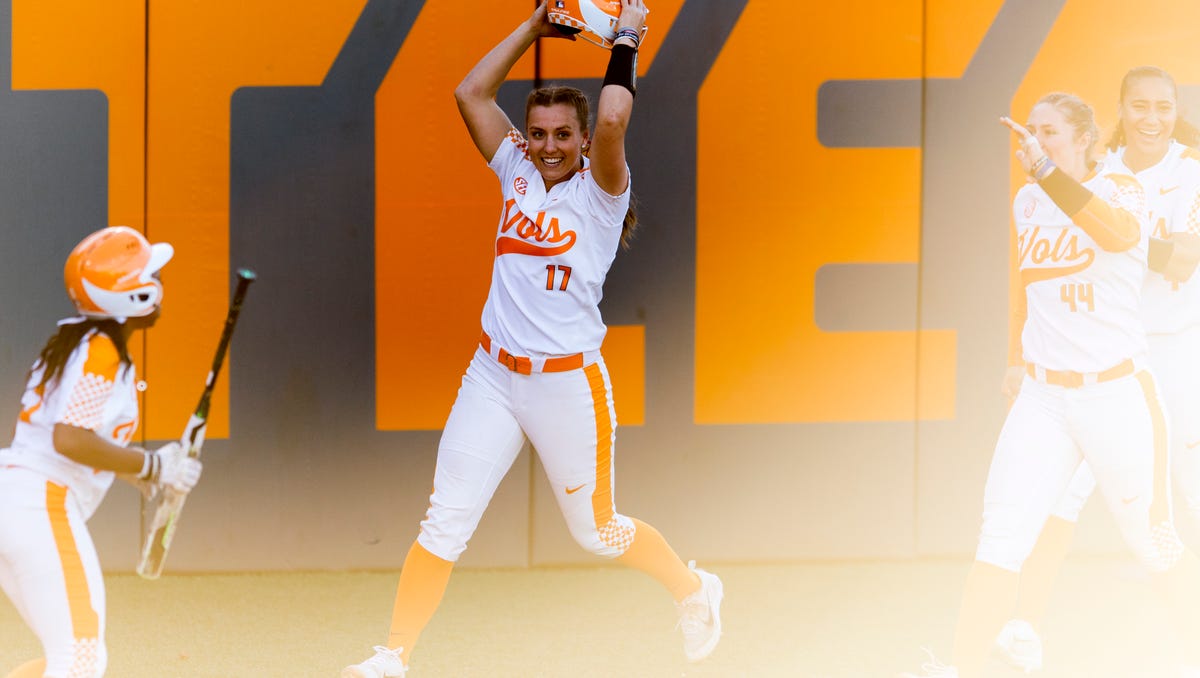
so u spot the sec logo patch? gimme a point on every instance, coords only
(520, 185)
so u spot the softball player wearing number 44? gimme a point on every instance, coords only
(78, 414)
(1086, 393)
(538, 372)
(1153, 143)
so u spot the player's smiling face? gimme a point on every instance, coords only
(556, 140)
(1148, 116)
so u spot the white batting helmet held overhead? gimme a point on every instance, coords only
(110, 274)
(594, 20)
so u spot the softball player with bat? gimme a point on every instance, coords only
(79, 412)
(1087, 393)
(1151, 142)
(538, 372)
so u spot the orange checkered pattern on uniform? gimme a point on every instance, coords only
(1127, 192)
(87, 658)
(1168, 547)
(1193, 216)
(616, 535)
(86, 406)
(521, 142)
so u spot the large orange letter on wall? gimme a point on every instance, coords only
(170, 174)
(775, 206)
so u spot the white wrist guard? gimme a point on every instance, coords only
(151, 467)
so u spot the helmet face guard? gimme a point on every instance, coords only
(111, 274)
(594, 20)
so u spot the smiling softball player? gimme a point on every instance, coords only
(538, 372)
(79, 412)
(1086, 393)
(1154, 144)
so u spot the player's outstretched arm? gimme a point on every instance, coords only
(476, 94)
(169, 465)
(85, 446)
(1112, 227)
(616, 101)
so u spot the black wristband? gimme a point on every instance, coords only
(622, 68)
(1068, 194)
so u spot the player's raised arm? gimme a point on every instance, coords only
(476, 94)
(616, 101)
(1112, 227)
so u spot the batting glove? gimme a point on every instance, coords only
(170, 466)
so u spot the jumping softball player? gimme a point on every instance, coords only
(79, 412)
(538, 372)
(1087, 393)
(1153, 143)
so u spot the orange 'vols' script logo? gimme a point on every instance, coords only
(527, 229)
(520, 185)
(1052, 260)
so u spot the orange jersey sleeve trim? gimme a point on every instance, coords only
(85, 409)
(102, 359)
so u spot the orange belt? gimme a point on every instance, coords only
(523, 365)
(1069, 379)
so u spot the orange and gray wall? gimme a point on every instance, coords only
(807, 338)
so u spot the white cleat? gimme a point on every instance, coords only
(932, 669)
(385, 664)
(1019, 645)
(700, 616)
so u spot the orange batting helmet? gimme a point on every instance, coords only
(110, 274)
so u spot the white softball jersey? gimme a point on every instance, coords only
(48, 563)
(553, 251)
(1088, 397)
(1083, 302)
(94, 392)
(1171, 188)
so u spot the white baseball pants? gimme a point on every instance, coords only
(1175, 361)
(570, 421)
(1120, 428)
(49, 570)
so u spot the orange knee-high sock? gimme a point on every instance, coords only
(987, 603)
(30, 669)
(422, 583)
(1041, 569)
(651, 554)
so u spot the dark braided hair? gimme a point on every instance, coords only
(59, 347)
